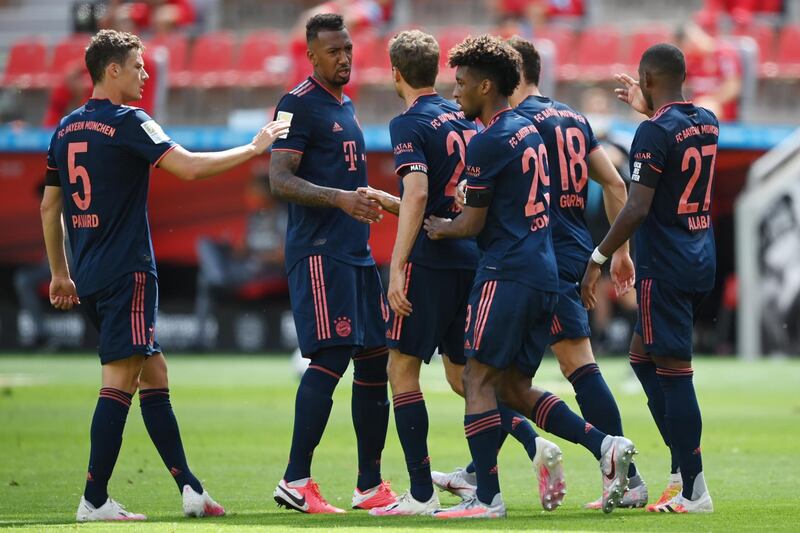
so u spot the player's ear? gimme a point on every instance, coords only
(312, 57)
(485, 86)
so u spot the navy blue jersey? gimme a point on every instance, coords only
(675, 152)
(326, 132)
(103, 154)
(431, 137)
(569, 140)
(508, 161)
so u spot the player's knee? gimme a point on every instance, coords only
(456, 382)
(335, 359)
(403, 371)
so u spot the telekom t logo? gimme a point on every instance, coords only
(349, 148)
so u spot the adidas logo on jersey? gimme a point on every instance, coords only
(337, 128)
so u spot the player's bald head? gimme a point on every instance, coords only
(664, 62)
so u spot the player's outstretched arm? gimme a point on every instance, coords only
(198, 165)
(389, 202)
(63, 295)
(631, 216)
(287, 186)
(614, 197)
(468, 224)
(631, 94)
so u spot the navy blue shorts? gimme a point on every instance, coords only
(124, 314)
(508, 323)
(439, 299)
(570, 320)
(666, 318)
(336, 304)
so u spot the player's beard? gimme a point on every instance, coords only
(342, 80)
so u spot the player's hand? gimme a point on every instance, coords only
(589, 285)
(63, 295)
(389, 202)
(623, 274)
(397, 291)
(267, 135)
(435, 227)
(461, 194)
(631, 94)
(359, 206)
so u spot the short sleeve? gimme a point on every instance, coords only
(594, 144)
(407, 144)
(51, 153)
(480, 170)
(293, 109)
(648, 154)
(144, 137)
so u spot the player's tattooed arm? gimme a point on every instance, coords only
(632, 215)
(286, 185)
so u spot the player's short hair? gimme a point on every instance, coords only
(665, 59)
(490, 56)
(416, 55)
(531, 61)
(323, 22)
(106, 47)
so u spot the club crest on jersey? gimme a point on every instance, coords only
(342, 326)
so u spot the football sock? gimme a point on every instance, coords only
(596, 402)
(683, 421)
(645, 371)
(313, 407)
(483, 434)
(370, 410)
(470, 468)
(411, 418)
(108, 424)
(518, 426)
(159, 419)
(552, 415)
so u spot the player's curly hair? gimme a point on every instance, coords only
(106, 47)
(492, 57)
(416, 55)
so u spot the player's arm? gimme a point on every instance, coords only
(471, 220)
(198, 165)
(615, 195)
(63, 295)
(630, 217)
(286, 185)
(411, 213)
(388, 201)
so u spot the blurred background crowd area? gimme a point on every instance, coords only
(218, 67)
(211, 58)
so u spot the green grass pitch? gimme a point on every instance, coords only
(236, 418)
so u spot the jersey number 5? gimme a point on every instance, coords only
(693, 154)
(532, 207)
(78, 171)
(460, 141)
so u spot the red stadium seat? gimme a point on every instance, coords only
(563, 40)
(262, 60)
(210, 62)
(448, 38)
(371, 64)
(27, 64)
(598, 53)
(65, 55)
(642, 39)
(788, 52)
(177, 45)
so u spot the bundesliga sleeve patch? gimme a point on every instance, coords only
(285, 115)
(154, 131)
